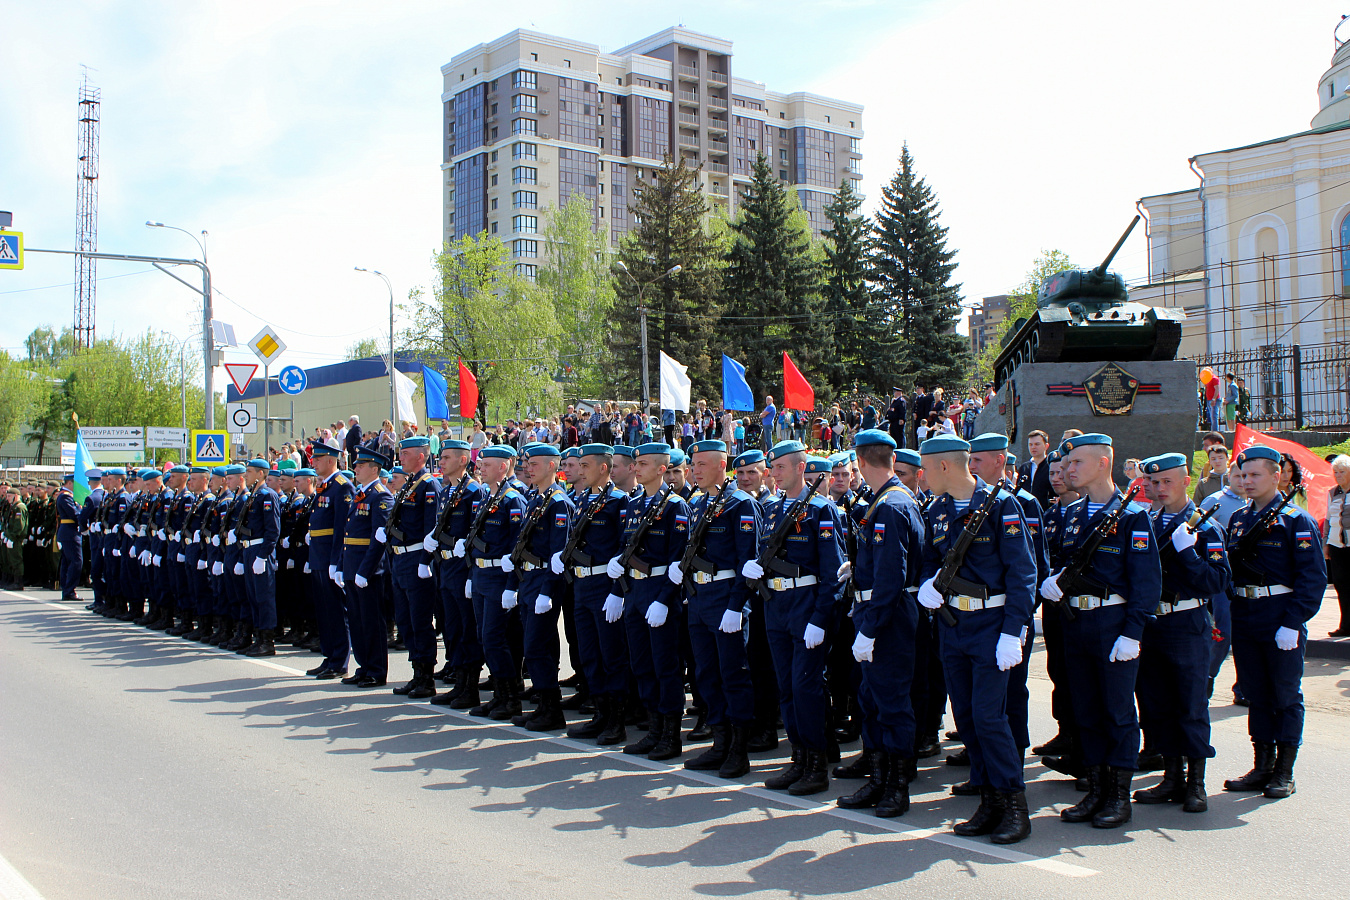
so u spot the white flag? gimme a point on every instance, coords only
(674, 384)
(405, 387)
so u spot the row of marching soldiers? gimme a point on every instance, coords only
(831, 597)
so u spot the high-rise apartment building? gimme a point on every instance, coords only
(532, 119)
(985, 320)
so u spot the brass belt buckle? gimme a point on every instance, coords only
(579, 571)
(963, 602)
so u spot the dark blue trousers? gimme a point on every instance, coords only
(1172, 686)
(72, 560)
(602, 646)
(494, 623)
(979, 695)
(450, 578)
(885, 694)
(421, 597)
(654, 653)
(331, 614)
(721, 666)
(1223, 621)
(468, 649)
(1018, 695)
(543, 649)
(1272, 681)
(370, 646)
(1103, 691)
(261, 590)
(800, 670)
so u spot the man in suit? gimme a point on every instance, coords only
(1033, 475)
(895, 417)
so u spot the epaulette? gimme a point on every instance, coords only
(339, 478)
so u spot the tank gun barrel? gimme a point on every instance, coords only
(1101, 270)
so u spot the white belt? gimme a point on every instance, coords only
(493, 563)
(863, 596)
(710, 577)
(1257, 592)
(253, 543)
(1087, 601)
(447, 554)
(968, 603)
(584, 572)
(406, 548)
(1164, 607)
(656, 570)
(787, 584)
(529, 567)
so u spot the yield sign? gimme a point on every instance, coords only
(241, 374)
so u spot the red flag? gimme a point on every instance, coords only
(797, 394)
(1317, 480)
(468, 392)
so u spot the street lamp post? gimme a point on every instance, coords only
(209, 401)
(393, 407)
(642, 325)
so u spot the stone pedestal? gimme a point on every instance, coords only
(1051, 397)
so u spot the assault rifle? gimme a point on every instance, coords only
(1246, 543)
(521, 552)
(443, 522)
(691, 562)
(570, 552)
(629, 557)
(474, 538)
(1071, 577)
(948, 579)
(768, 558)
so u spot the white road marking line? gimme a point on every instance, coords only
(1055, 865)
(13, 886)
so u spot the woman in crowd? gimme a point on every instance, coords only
(1336, 540)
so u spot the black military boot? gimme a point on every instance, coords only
(239, 639)
(1092, 802)
(592, 728)
(446, 675)
(183, 627)
(988, 815)
(789, 774)
(1262, 769)
(265, 645)
(579, 698)
(1116, 810)
(466, 694)
(1172, 788)
(644, 746)
(867, 796)
(959, 758)
(1069, 761)
(895, 795)
(202, 631)
(701, 730)
(548, 716)
(1281, 784)
(425, 688)
(498, 700)
(246, 642)
(523, 716)
(612, 708)
(714, 756)
(220, 631)
(861, 767)
(510, 703)
(668, 744)
(143, 613)
(965, 789)
(737, 761)
(406, 688)
(1150, 760)
(1016, 824)
(927, 747)
(762, 739)
(1196, 799)
(815, 775)
(1056, 746)
(166, 619)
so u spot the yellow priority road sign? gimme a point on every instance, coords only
(11, 249)
(267, 345)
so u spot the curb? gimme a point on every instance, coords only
(1329, 648)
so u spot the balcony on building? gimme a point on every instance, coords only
(688, 98)
(689, 119)
(687, 73)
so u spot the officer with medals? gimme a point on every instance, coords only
(1111, 603)
(841, 670)
(649, 604)
(597, 537)
(327, 528)
(804, 583)
(68, 515)
(460, 497)
(1172, 688)
(716, 607)
(363, 558)
(91, 523)
(194, 547)
(1279, 578)
(304, 631)
(750, 468)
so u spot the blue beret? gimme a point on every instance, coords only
(498, 451)
(1258, 451)
(624, 450)
(1085, 440)
(199, 470)
(178, 470)
(1161, 463)
(371, 454)
(989, 441)
(873, 436)
(386, 474)
(677, 457)
(414, 443)
(597, 450)
(116, 470)
(455, 444)
(570, 452)
(837, 459)
(1054, 456)
(530, 451)
(708, 446)
(235, 469)
(306, 473)
(220, 471)
(852, 455)
(259, 464)
(347, 473)
(748, 458)
(943, 443)
(93, 474)
(1012, 459)
(651, 448)
(783, 448)
(909, 458)
(150, 474)
(818, 465)
(396, 470)
(323, 450)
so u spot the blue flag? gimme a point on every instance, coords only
(434, 389)
(84, 461)
(735, 389)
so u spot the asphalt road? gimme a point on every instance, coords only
(134, 765)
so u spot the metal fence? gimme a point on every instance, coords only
(1290, 386)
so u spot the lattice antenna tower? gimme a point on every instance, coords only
(86, 214)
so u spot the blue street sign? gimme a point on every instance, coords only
(292, 380)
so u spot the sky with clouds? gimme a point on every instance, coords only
(305, 137)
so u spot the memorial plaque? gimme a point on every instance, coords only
(1111, 391)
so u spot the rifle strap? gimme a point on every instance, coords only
(876, 501)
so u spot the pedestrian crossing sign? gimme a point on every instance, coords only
(210, 448)
(11, 249)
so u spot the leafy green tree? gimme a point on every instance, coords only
(364, 349)
(21, 392)
(1021, 306)
(913, 277)
(46, 347)
(51, 420)
(575, 276)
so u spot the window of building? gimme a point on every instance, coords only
(525, 224)
(527, 270)
(534, 57)
(782, 115)
(782, 173)
(827, 120)
(524, 126)
(851, 125)
(525, 200)
(494, 203)
(494, 180)
(782, 133)
(567, 63)
(522, 103)
(521, 150)
(494, 132)
(854, 145)
(782, 155)
(494, 227)
(524, 79)
(494, 155)
(524, 175)
(524, 248)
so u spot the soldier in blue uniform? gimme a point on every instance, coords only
(1279, 578)
(1112, 605)
(991, 601)
(236, 590)
(596, 538)
(625, 469)
(890, 532)
(1172, 689)
(304, 632)
(90, 515)
(194, 547)
(750, 467)
(716, 607)
(327, 528)
(842, 674)
(147, 523)
(363, 558)
(650, 605)
(257, 534)
(460, 496)
(68, 515)
(213, 529)
(181, 602)
(804, 583)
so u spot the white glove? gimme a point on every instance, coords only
(656, 614)
(58, 545)
(259, 565)
(144, 557)
(1050, 589)
(338, 579)
(845, 571)
(508, 599)
(239, 568)
(197, 536)
(333, 573)
(128, 530)
(285, 543)
(752, 569)
(468, 589)
(614, 569)
(928, 595)
(428, 544)
(306, 569)
(140, 532)
(230, 538)
(675, 573)
(1183, 537)
(290, 564)
(201, 564)
(542, 604)
(424, 571)
(116, 552)
(814, 636)
(160, 534)
(613, 608)
(1286, 638)
(181, 557)
(862, 647)
(459, 550)
(218, 568)
(361, 580)
(306, 538)
(1124, 649)
(555, 563)
(380, 536)
(731, 621)
(1008, 653)
(507, 565)
(215, 540)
